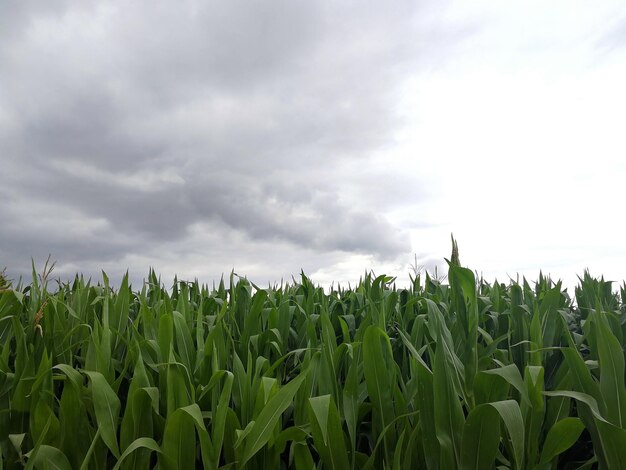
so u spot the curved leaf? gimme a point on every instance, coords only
(140, 443)
(561, 437)
(51, 458)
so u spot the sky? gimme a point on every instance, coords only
(201, 137)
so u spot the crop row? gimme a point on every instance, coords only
(440, 375)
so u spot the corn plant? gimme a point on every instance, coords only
(462, 374)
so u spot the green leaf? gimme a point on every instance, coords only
(535, 413)
(350, 396)
(512, 417)
(184, 343)
(51, 458)
(613, 443)
(138, 418)
(179, 440)
(320, 407)
(302, 457)
(269, 416)
(178, 385)
(610, 445)
(449, 417)
(481, 436)
(378, 368)
(511, 374)
(611, 356)
(490, 387)
(327, 432)
(179, 443)
(218, 423)
(166, 334)
(107, 407)
(426, 400)
(140, 443)
(561, 436)
(463, 299)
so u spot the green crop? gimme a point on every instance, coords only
(464, 374)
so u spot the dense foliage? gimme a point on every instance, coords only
(454, 374)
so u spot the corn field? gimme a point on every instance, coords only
(441, 375)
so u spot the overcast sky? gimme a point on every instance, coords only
(199, 137)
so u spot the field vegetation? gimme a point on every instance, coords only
(447, 374)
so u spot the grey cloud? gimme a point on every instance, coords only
(17, 15)
(226, 45)
(323, 224)
(153, 119)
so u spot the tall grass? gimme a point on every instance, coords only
(463, 374)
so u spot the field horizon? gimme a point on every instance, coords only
(445, 373)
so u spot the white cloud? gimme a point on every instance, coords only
(521, 146)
